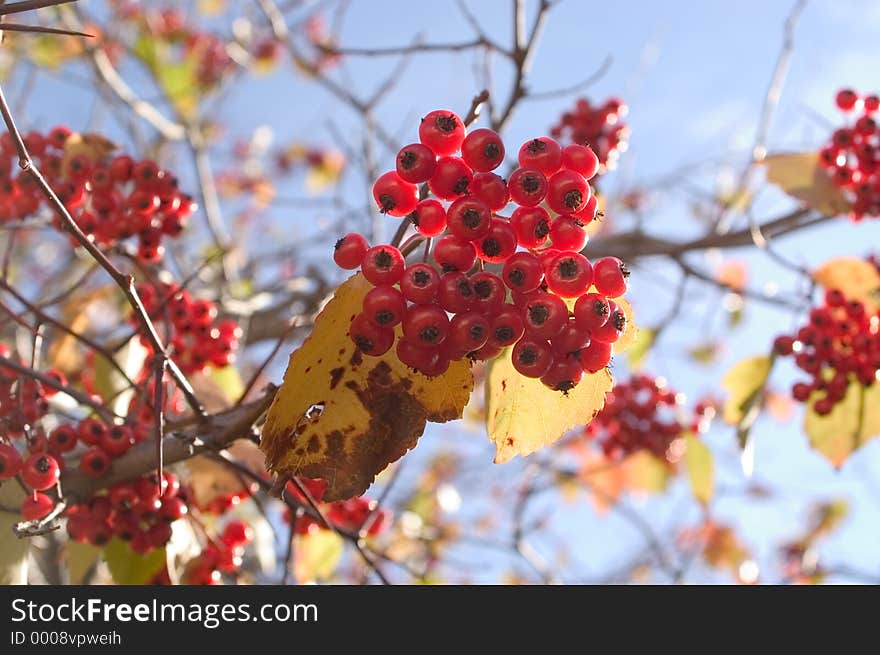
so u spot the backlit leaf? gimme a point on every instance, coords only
(316, 555)
(856, 278)
(130, 568)
(700, 468)
(853, 421)
(801, 177)
(742, 383)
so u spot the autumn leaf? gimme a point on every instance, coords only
(743, 383)
(700, 469)
(856, 278)
(801, 177)
(13, 551)
(130, 568)
(852, 421)
(523, 416)
(640, 472)
(628, 338)
(344, 417)
(640, 348)
(316, 555)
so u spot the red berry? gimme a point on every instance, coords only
(581, 160)
(591, 311)
(846, 99)
(570, 340)
(467, 331)
(522, 272)
(468, 218)
(416, 163)
(385, 306)
(237, 533)
(609, 276)
(40, 471)
(595, 357)
(544, 315)
(569, 274)
(801, 392)
(563, 375)
(349, 251)
(369, 337)
(611, 331)
(567, 192)
(532, 226)
(451, 178)
(567, 233)
(455, 294)
(426, 325)
(442, 131)
(94, 463)
(489, 293)
(490, 189)
(499, 243)
(117, 440)
(532, 357)
(487, 352)
(872, 104)
(419, 284)
(36, 506)
(783, 345)
(483, 150)
(507, 327)
(429, 218)
(383, 265)
(10, 462)
(453, 254)
(416, 356)
(543, 153)
(527, 186)
(394, 196)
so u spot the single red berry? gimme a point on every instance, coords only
(416, 356)
(451, 178)
(507, 327)
(419, 284)
(91, 431)
(570, 274)
(499, 243)
(544, 315)
(173, 509)
(570, 340)
(522, 272)
(483, 150)
(846, 99)
(595, 357)
(589, 212)
(349, 251)
(542, 153)
(455, 294)
(527, 186)
(370, 338)
(567, 233)
(426, 325)
(468, 218)
(237, 533)
(611, 331)
(609, 276)
(416, 163)
(383, 265)
(467, 331)
(385, 306)
(581, 160)
(40, 471)
(563, 375)
(532, 357)
(783, 345)
(872, 104)
(591, 311)
(429, 218)
(490, 189)
(36, 506)
(454, 254)
(487, 352)
(394, 196)
(10, 462)
(567, 192)
(94, 463)
(823, 406)
(801, 392)
(532, 226)
(117, 440)
(489, 293)
(442, 131)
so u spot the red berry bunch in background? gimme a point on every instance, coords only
(839, 346)
(23, 401)
(601, 127)
(221, 555)
(198, 338)
(643, 414)
(852, 154)
(111, 198)
(497, 280)
(352, 515)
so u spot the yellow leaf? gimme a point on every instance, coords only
(801, 177)
(639, 472)
(628, 338)
(853, 421)
(523, 416)
(13, 551)
(130, 568)
(700, 468)
(856, 278)
(316, 555)
(80, 559)
(344, 417)
(640, 347)
(742, 382)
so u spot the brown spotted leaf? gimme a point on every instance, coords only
(344, 417)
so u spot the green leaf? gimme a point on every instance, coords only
(177, 79)
(640, 347)
(130, 568)
(13, 551)
(852, 422)
(700, 469)
(316, 555)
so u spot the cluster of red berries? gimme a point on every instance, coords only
(111, 198)
(599, 126)
(460, 309)
(350, 515)
(839, 346)
(23, 401)
(197, 339)
(852, 155)
(643, 414)
(222, 555)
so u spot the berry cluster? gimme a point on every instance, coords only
(601, 127)
(23, 401)
(111, 198)
(223, 555)
(643, 414)
(839, 346)
(458, 308)
(197, 339)
(349, 515)
(852, 155)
